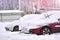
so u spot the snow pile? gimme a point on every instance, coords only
(32, 20)
(31, 16)
(5, 35)
(17, 36)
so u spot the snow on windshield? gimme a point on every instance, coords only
(32, 16)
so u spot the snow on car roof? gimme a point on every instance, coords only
(43, 15)
(31, 16)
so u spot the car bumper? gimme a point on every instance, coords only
(31, 30)
(24, 30)
(7, 29)
(35, 31)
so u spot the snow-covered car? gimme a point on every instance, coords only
(12, 26)
(44, 23)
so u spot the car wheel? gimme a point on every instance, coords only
(45, 30)
(30, 31)
(16, 28)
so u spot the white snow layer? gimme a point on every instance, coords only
(6, 35)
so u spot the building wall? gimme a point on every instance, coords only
(33, 5)
(9, 5)
(7, 17)
(29, 5)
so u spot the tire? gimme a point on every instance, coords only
(16, 28)
(30, 31)
(46, 30)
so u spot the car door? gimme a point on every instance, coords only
(56, 18)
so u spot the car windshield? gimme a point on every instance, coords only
(53, 14)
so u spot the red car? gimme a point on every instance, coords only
(44, 23)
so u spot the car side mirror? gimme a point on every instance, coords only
(47, 16)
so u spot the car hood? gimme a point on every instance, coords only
(12, 24)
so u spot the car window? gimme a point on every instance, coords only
(53, 14)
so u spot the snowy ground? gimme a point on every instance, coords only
(6, 35)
